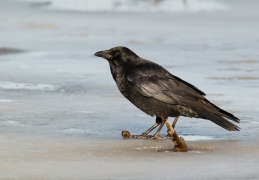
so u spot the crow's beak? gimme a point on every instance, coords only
(107, 54)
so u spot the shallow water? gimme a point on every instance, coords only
(62, 115)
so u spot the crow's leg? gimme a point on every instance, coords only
(159, 121)
(150, 129)
(175, 121)
(157, 134)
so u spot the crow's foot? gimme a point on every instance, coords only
(126, 134)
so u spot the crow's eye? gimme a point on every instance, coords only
(116, 54)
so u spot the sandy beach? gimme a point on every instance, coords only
(61, 114)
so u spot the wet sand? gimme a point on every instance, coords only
(29, 157)
(62, 115)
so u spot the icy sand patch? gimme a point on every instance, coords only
(5, 100)
(13, 123)
(196, 138)
(27, 86)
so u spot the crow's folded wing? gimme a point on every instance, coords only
(157, 83)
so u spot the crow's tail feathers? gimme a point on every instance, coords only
(224, 123)
(219, 119)
(226, 114)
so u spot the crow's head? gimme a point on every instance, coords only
(118, 56)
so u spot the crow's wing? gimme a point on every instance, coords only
(154, 81)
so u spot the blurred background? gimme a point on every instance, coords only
(61, 113)
(136, 5)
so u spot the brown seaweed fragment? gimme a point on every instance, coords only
(179, 143)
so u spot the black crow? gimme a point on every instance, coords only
(158, 93)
